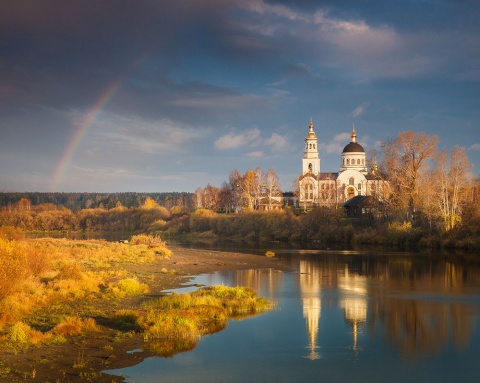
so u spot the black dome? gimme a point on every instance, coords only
(353, 147)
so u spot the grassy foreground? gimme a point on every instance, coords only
(62, 294)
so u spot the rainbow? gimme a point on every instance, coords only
(82, 129)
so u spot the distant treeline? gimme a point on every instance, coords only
(48, 217)
(77, 201)
(323, 226)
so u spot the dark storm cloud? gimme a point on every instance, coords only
(76, 41)
(65, 54)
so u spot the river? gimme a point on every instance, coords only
(340, 316)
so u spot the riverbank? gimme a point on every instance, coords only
(83, 357)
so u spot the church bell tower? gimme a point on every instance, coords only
(311, 161)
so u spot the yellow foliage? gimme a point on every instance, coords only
(13, 266)
(128, 286)
(22, 335)
(400, 227)
(150, 203)
(74, 325)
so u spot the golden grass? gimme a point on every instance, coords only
(75, 325)
(56, 285)
(126, 287)
(13, 266)
(191, 315)
(44, 277)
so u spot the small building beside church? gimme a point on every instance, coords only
(360, 206)
(333, 189)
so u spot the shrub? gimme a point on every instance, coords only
(71, 271)
(154, 242)
(158, 225)
(270, 253)
(11, 233)
(125, 320)
(74, 325)
(129, 286)
(13, 266)
(38, 260)
(21, 336)
(18, 333)
(144, 239)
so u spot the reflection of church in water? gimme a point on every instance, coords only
(318, 188)
(353, 301)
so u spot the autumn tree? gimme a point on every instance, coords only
(235, 183)
(249, 189)
(246, 188)
(211, 197)
(198, 198)
(405, 159)
(150, 203)
(24, 204)
(226, 198)
(452, 178)
(272, 187)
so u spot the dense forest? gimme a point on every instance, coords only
(78, 201)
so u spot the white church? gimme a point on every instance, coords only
(332, 189)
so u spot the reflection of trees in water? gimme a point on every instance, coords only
(416, 326)
(410, 298)
(428, 323)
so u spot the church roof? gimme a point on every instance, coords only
(360, 201)
(353, 147)
(323, 176)
(328, 176)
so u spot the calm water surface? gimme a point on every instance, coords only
(341, 316)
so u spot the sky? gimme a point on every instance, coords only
(161, 96)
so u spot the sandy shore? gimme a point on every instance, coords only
(97, 352)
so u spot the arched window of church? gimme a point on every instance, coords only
(348, 161)
(351, 181)
(358, 161)
(359, 187)
(310, 167)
